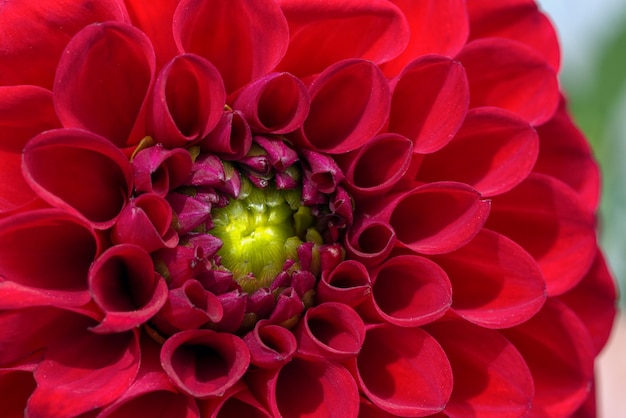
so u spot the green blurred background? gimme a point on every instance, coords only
(593, 75)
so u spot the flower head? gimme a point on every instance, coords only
(293, 208)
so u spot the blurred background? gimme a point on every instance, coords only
(593, 75)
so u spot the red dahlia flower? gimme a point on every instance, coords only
(292, 208)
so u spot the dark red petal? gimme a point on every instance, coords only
(508, 151)
(349, 105)
(204, 363)
(321, 171)
(496, 284)
(370, 240)
(243, 40)
(593, 300)
(429, 100)
(566, 155)
(124, 285)
(231, 139)
(33, 34)
(548, 220)
(403, 371)
(510, 75)
(83, 372)
(437, 218)
(436, 27)
(325, 32)
(237, 402)
(491, 378)
(159, 170)
(560, 354)
(348, 283)
(378, 165)
(187, 101)
(276, 103)
(519, 20)
(102, 81)
(270, 345)
(80, 172)
(409, 290)
(16, 387)
(17, 106)
(44, 258)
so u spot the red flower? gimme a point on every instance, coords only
(293, 208)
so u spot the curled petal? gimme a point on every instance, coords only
(322, 171)
(44, 259)
(124, 285)
(520, 20)
(33, 34)
(325, 32)
(288, 306)
(559, 352)
(429, 100)
(370, 240)
(349, 105)
(234, 308)
(17, 126)
(231, 139)
(508, 74)
(256, 35)
(157, 170)
(437, 218)
(330, 330)
(99, 378)
(491, 378)
(496, 283)
(279, 154)
(377, 166)
(348, 283)
(145, 222)
(403, 371)
(549, 220)
(270, 345)
(276, 103)
(409, 290)
(102, 81)
(437, 27)
(187, 101)
(204, 363)
(508, 150)
(236, 402)
(79, 171)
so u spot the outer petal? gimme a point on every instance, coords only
(16, 387)
(436, 27)
(44, 259)
(548, 220)
(510, 75)
(508, 150)
(80, 172)
(17, 125)
(325, 32)
(491, 378)
(102, 81)
(243, 39)
(33, 34)
(237, 402)
(403, 371)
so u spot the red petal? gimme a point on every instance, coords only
(69, 382)
(370, 240)
(33, 34)
(349, 105)
(348, 283)
(496, 284)
(237, 402)
(510, 75)
(325, 32)
(519, 20)
(436, 27)
(102, 81)
(17, 125)
(437, 218)
(560, 354)
(187, 101)
(548, 220)
(243, 40)
(429, 101)
(409, 290)
(80, 172)
(159, 170)
(566, 155)
(508, 151)
(231, 139)
(491, 378)
(16, 387)
(204, 363)
(403, 371)
(270, 345)
(44, 258)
